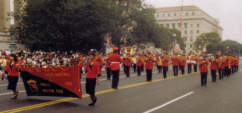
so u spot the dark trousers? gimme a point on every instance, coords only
(226, 71)
(134, 67)
(182, 70)
(108, 71)
(221, 73)
(139, 70)
(159, 69)
(236, 68)
(204, 78)
(142, 68)
(126, 70)
(189, 68)
(214, 75)
(149, 74)
(175, 70)
(165, 69)
(115, 79)
(233, 69)
(195, 67)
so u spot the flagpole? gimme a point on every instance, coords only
(181, 17)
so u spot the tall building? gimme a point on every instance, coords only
(4, 8)
(195, 22)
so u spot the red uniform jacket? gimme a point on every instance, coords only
(214, 64)
(115, 61)
(203, 66)
(13, 70)
(127, 61)
(175, 61)
(149, 63)
(139, 61)
(183, 61)
(99, 60)
(94, 70)
(166, 60)
(107, 63)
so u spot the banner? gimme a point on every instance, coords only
(52, 81)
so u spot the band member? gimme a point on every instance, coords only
(189, 64)
(233, 62)
(165, 63)
(227, 65)
(115, 60)
(93, 72)
(221, 66)
(159, 63)
(175, 63)
(237, 64)
(13, 74)
(183, 61)
(108, 67)
(139, 64)
(127, 63)
(149, 66)
(203, 64)
(99, 59)
(214, 63)
(196, 59)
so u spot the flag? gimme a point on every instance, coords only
(181, 17)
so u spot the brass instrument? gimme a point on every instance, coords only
(129, 50)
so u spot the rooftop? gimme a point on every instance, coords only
(178, 8)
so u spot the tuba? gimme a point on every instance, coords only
(129, 50)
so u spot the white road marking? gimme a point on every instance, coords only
(9, 93)
(240, 70)
(163, 105)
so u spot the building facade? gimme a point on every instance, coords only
(4, 8)
(195, 22)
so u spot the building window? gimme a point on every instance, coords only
(167, 25)
(192, 13)
(173, 26)
(185, 39)
(191, 31)
(174, 14)
(191, 46)
(157, 15)
(169, 14)
(191, 39)
(197, 25)
(185, 25)
(185, 32)
(197, 31)
(191, 25)
(186, 13)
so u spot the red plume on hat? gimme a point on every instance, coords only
(115, 48)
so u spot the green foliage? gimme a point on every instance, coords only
(82, 24)
(231, 46)
(209, 40)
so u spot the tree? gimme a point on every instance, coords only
(231, 46)
(209, 40)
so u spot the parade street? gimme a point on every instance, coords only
(182, 94)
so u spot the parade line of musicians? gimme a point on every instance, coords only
(219, 64)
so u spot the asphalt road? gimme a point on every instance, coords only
(182, 94)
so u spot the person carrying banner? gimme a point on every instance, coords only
(93, 72)
(115, 60)
(13, 74)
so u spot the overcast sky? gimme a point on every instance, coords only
(229, 12)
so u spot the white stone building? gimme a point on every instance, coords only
(195, 22)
